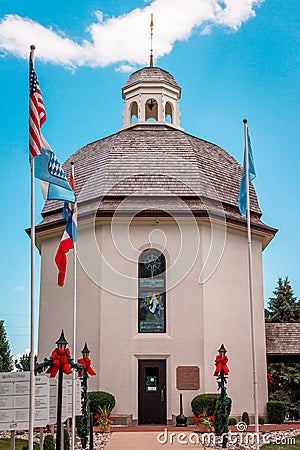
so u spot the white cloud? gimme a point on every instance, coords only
(125, 68)
(124, 40)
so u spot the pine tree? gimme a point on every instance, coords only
(284, 306)
(6, 364)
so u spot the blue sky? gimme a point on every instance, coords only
(233, 59)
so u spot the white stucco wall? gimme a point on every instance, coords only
(200, 317)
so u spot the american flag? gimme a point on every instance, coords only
(37, 113)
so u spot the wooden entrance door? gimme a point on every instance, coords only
(152, 391)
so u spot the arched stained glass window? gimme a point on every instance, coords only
(152, 292)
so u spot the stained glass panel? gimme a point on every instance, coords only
(152, 308)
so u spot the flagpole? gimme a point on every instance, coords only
(255, 396)
(32, 386)
(74, 333)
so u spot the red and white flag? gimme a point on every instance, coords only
(68, 238)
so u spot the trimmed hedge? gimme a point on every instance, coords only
(49, 442)
(100, 398)
(66, 439)
(204, 403)
(232, 421)
(276, 411)
(208, 403)
(245, 418)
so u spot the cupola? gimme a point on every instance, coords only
(151, 95)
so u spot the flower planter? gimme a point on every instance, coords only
(104, 428)
(202, 428)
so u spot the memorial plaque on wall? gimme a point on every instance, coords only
(187, 378)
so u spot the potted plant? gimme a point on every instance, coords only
(207, 421)
(105, 419)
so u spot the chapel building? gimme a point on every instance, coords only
(162, 263)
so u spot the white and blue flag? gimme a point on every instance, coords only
(54, 182)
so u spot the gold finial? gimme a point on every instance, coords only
(151, 31)
(151, 24)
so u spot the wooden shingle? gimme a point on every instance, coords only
(283, 339)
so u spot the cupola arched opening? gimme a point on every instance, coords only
(169, 112)
(151, 110)
(133, 112)
(152, 292)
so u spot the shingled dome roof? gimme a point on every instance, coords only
(153, 161)
(151, 75)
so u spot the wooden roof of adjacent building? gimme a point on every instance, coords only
(283, 342)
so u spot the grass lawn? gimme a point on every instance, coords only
(5, 443)
(20, 443)
(285, 445)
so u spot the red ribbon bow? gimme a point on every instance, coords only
(59, 358)
(270, 378)
(221, 363)
(86, 365)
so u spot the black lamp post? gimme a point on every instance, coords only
(60, 361)
(221, 418)
(86, 371)
(85, 354)
(61, 345)
(85, 351)
(222, 351)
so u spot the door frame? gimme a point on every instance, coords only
(153, 359)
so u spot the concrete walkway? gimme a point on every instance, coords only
(151, 440)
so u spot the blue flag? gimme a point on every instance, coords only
(242, 199)
(51, 191)
(54, 184)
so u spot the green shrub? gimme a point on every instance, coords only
(35, 446)
(276, 411)
(49, 442)
(204, 403)
(294, 411)
(78, 422)
(221, 420)
(100, 398)
(261, 420)
(245, 418)
(66, 439)
(232, 421)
